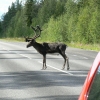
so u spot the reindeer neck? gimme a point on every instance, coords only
(37, 45)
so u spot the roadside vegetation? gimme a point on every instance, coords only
(74, 22)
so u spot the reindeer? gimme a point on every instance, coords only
(45, 48)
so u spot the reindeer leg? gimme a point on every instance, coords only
(64, 63)
(64, 56)
(67, 63)
(44, 62)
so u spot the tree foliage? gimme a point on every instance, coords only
(61, 20)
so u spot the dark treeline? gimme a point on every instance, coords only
(60, 20)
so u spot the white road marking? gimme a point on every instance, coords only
(79, 73)
(24, 56)
(78, 56)
(18, 53)
(74, 55)
(85, 57)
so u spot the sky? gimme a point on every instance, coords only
(4, 4)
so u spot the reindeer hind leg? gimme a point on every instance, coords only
(64, 56)
(67, 62)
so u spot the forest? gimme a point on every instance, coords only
(61, 20)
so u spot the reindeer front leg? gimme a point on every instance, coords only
(44, 62)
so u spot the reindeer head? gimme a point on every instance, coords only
(31, 43)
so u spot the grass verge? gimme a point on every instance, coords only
(94, 47)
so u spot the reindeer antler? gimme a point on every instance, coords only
(38, 27)
(35, 30)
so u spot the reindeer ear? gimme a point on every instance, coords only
(32, 40)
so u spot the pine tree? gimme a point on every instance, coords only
(28, 12)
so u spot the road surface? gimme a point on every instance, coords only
(21, 77)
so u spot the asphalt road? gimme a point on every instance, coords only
(21, 77)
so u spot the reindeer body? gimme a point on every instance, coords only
(44, 48)
(54, 47)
